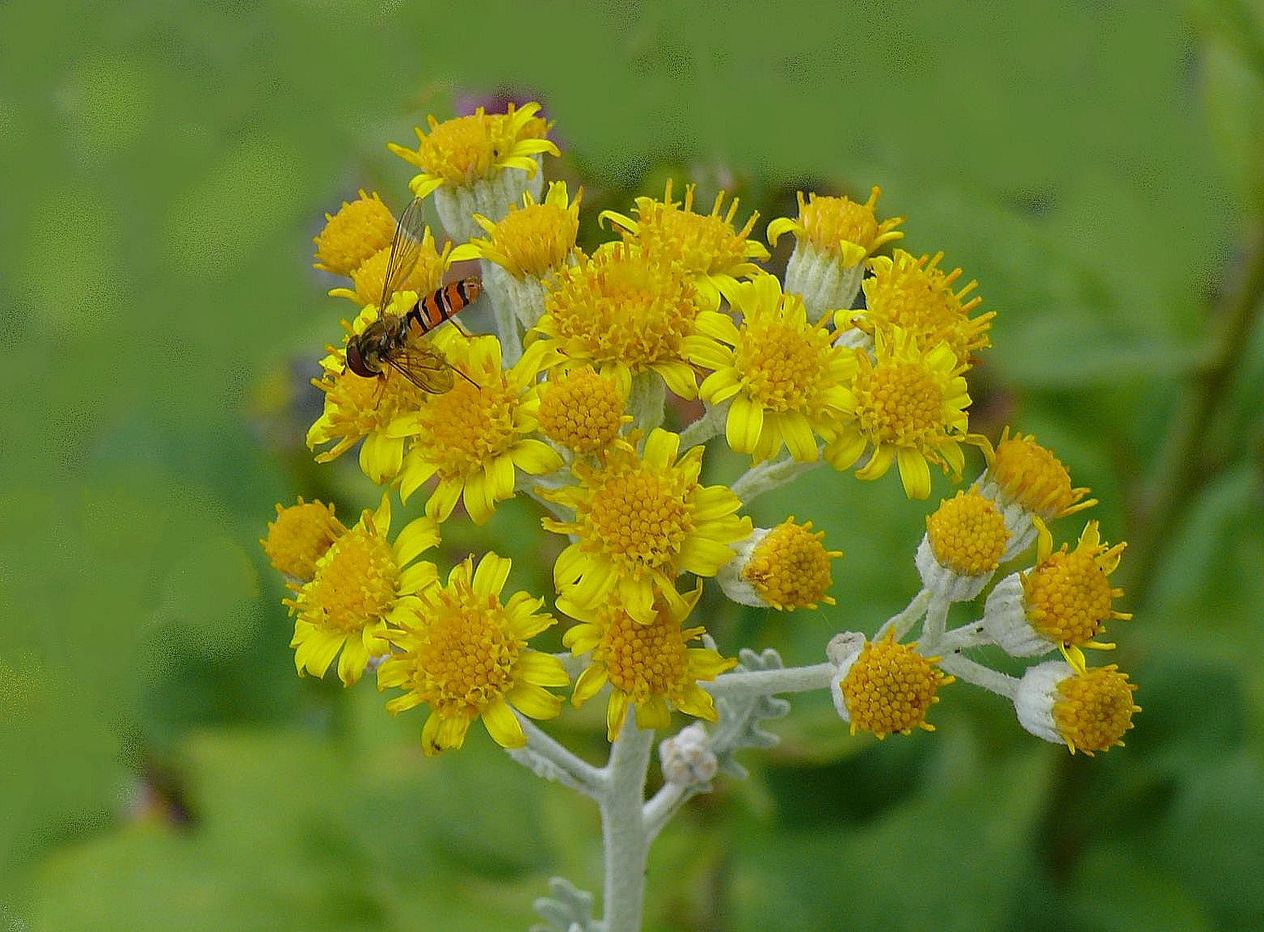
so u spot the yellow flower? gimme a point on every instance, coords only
(712, 249)
(299, 537)
(786, 378)
(785, 567)
(967, 534)
(530, 241)
(468, 149)
(1023, 473)
(640, 521)
(476, 435)
(361, 584)
(425, 277)
(627, 310)
(582, 409)
(648, 665)
(1087, 710)
(917, 296)
(357, 407)
(888, 687)
(846, 229)
(357, 231)
(908, 408)
(463, 652)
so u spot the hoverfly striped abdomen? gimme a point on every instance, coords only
(444, 304)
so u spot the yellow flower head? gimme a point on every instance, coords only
(625, 309)
(476, 435)
(641, 519)
(1068, 596)
(786, 378)
(583, 410)
(468, 149)
(889, 687)
(357, 231)
(532, 240)
(1023, 472)
(909, 408)
(358, 407)
(967, 534)
(648, 665)
(362, 583)
(1093, 709)
(711, 248)
(463, 652)
(918, 296)
(839, 226)
(426, 276)
(789, 567)
(299, 537)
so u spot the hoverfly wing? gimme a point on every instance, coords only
(405, 250)
(425, 367)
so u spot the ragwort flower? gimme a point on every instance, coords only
(1087, 710)
(475, 436)
(642, 519)
(426, 276)
(358, 230)
(965, 539)
(582, 409)
(785, 567)
(785, 377)
(463, 652)
(713, 250)
(887, 687)
(300, 536)
(362, 584)
(648, 665)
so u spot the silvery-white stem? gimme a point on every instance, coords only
(627, 842)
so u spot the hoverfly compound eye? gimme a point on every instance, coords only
(355, 360)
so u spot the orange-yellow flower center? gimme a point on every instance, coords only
(900, 403)
(644, 660)
(967, 534)
(468, 426)
(357, 231)
(465, 149)
(622, 306)
(355, 583)
(464, 656)
(425, 277)
(830, 221)
(535, 239)
(705, 243)
(917, 295)
(890, 688)
(783, 366)
(1094, 709)
(581, 410)
(356, 406)
(299, 537)
(1034, 478)
(1068, 596)
(790, 567)
(636, 515)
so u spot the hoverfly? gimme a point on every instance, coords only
(394, 341)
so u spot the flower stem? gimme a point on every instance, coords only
(745, 683)
(547, 758)
(627, 840)
(963, 668)
(903, 620)
(645, 403)
(770, 475)
(709, 425)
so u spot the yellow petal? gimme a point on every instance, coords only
(503, 725)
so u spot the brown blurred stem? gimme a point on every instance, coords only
(1187, 463)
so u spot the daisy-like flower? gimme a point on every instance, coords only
(785, 567)
(358, 230)
(649, 665)
(526, 247)
(299, 537)
(627, 310)
(1088, 710)
(908, 407)
(358, 408)
(784, 376)
(463, 652)
(361, 585)
(917, 295)
(426, 276)
(479, 164)
(885, 687)
(834, 236)
(582, 409)
(475, 436)
(1027, 481)
(642, 519)
(964, 541)
(1064, 602)
(714, 251)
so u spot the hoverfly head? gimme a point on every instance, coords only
(356, 360)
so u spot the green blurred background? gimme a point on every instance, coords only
(1097, 166)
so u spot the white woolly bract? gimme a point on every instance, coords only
(1037, 693)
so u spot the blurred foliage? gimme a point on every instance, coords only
(1098, 167)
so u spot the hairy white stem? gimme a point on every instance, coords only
(646, 400)
(965, 669)
(627, 842)
(547, 758)
(506, 320)
(770, 475)
(903, 620)
(746, 683)
(935, 624)
(711, 424)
